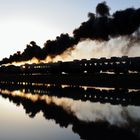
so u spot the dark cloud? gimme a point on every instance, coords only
(102, 9)
(100, 26)
(125, 22)
(103, 27)
(59, 45)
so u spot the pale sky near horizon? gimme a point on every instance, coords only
(22, 21)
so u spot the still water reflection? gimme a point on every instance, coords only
(32, 114)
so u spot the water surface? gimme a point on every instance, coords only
(33, 116)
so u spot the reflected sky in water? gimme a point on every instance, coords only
(33, 116)
(16, 125)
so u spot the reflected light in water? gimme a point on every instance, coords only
(16, 126)
(87, 111)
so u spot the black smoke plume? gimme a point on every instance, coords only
(100, 26)
(102, 9)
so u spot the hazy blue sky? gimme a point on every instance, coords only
(24, 20)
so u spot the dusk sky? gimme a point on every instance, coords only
(22, 21)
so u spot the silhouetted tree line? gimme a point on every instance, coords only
(100, 26)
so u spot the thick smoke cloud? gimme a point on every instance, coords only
(102, 9)
(51, 48)
(59, 45)
(100, 26)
